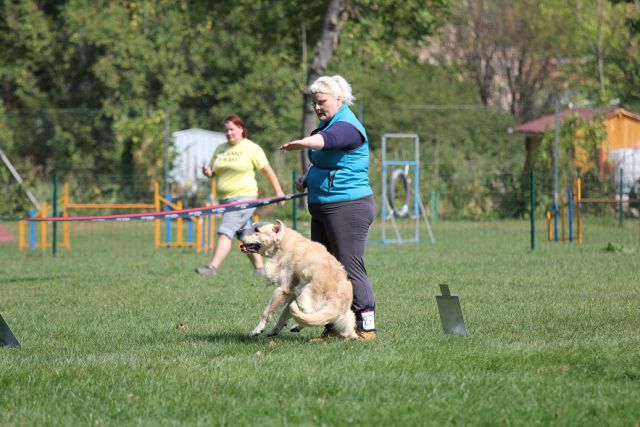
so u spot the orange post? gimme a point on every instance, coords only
(179, 241)
(21, 242)
(579, 208)
(549, 231)
(43, 226)
(198, 235)
(156, 204)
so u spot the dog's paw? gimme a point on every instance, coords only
(257, 331)
(296, 328)
(268, 283)
(273, 332)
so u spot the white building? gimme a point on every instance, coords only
(194, 148)
(627, 159)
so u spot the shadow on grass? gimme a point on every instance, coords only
(34, 279)
(245, 338)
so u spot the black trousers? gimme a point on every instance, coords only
(342, 227)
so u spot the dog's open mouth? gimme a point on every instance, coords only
(250, 248)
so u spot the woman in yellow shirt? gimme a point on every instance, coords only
(234, 165)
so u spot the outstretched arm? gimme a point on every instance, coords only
(314, 142)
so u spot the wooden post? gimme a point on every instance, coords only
(579, 208)
(21, 241)
(199, 235)
(179, 241)
(43, 226)
(156, 205)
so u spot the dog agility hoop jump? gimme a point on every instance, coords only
(400, 169)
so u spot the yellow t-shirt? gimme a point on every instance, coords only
(235, 167)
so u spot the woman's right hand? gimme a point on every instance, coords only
(301, 182)
(207, 171)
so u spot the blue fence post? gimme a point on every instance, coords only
(32, 230)
(168, 220)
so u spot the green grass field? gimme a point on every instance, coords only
(116, 333)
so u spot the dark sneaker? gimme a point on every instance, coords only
(207, 270)
(366, 335)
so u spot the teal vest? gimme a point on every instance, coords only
(339, 175)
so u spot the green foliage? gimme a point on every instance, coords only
(466, 151)
(579, 142)
(85, 85)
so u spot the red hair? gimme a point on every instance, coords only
(236, 120)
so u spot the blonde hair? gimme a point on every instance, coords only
(334, 86)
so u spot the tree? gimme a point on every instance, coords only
(578, 143)
(381, 31)
(511, 50)
(334, 20)
(625, 54)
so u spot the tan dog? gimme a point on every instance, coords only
(310, 282)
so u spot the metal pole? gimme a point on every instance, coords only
(532, 213)
(620, 200)
(294, 204)
(555, 170)
(18, 178)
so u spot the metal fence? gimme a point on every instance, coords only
(491, 213)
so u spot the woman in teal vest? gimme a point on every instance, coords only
(340, 198)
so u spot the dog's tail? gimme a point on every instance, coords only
(319, 318)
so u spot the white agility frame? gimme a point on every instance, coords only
(387, 210)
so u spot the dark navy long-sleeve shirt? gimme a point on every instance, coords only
(341, 136)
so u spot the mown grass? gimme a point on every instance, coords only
(114, 332)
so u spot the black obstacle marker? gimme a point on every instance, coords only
(450, 312)
(6, 336)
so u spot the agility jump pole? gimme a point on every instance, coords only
(158, 202)
(18, 178)
(174, 214)
(42, 243)
(205, 225)
(66, 203)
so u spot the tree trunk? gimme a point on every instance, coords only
(334, 20)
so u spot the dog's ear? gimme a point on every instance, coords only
(278, 228)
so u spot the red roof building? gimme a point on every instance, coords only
(623, 130)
